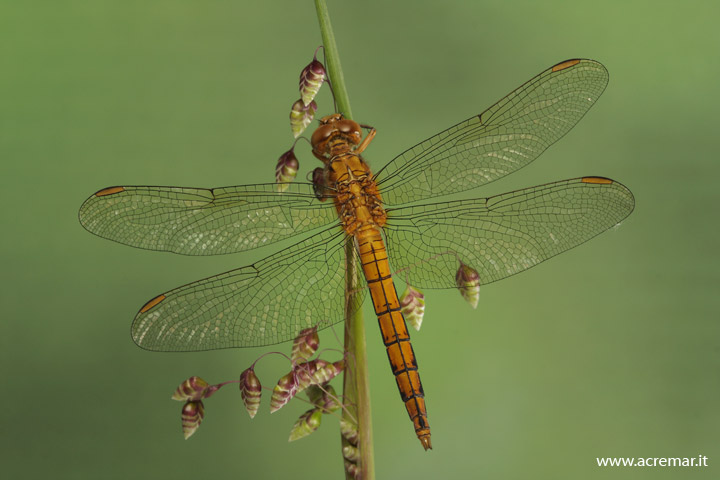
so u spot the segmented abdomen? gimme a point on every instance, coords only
(373, 256)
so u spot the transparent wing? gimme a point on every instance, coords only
(502, 235)
(197, 221)
(499, 141)
(261, 304)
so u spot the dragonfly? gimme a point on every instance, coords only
(393, 217)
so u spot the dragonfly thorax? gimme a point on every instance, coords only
(357, 198)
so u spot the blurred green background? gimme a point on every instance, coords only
(608, 350)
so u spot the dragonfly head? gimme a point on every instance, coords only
(335, 135)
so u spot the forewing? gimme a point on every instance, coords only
(504, 138)
(197, 221)
(502, 235)
(261, 304)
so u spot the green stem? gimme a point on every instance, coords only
(356, 388)
(332, 58)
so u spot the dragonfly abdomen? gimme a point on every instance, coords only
(376, 268)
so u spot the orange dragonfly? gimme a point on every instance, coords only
(303, 285)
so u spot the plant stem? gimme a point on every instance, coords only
(356, 388)
(333, 59)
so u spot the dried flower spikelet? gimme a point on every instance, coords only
(352, 470)
(194, 388)
(323, 397)
(412, 304)
(329, 400)
(351, 453)
(349, 431)
(250, 391)
(301, 115)
(193, 413)
(284, 391)
(306, 424)
(305, 345)
(316, 394)
(468, 282)
(327, 372)
(317, 372)
(305, 373)
(286, 170)
(311, 79)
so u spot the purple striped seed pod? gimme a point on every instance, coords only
(250, 391)
(327, 372)
(192, 415)
(194, 388)
(311, 79)
(317, 372)
(284, 391)
(353, 470)
(468, 282)
(305, 345)
(286, 170)
(351, 453)
(349, 431)
(330, 400)
(301, 116)
(315, 394)
(412, 305)
(306, 424)
(305, 373)
(323, 397)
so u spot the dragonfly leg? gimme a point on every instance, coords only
(320, 156)
(366, 141)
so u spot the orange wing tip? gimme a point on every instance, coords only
(152, 303)
(565, 64)
(599, 180)
(109, 191)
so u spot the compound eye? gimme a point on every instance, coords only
(321, 134)
(348, 127)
